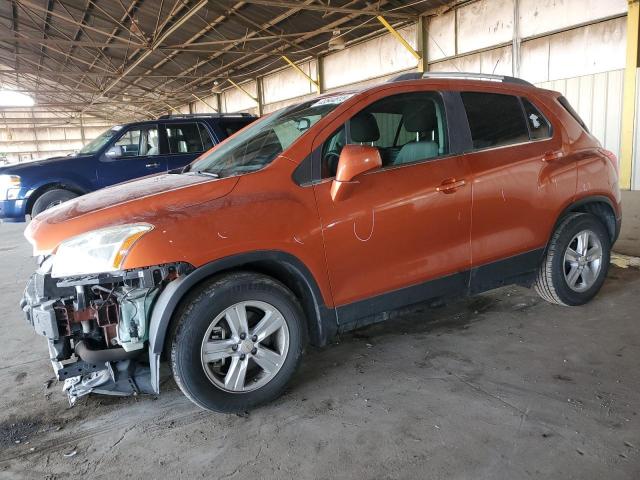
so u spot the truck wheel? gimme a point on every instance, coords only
(576, 262)
(236, 342)
(51, 198)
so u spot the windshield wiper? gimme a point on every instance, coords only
(208, 174)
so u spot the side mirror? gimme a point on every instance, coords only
(354, 160)
(304, 124)
(113, 152)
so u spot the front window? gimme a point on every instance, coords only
(100, 141)
(262, 142)
(138, 142)
(406, 128)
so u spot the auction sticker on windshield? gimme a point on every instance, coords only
(333, 100)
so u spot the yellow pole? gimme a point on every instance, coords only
(302, 72)
(398, 37)
(629, 95)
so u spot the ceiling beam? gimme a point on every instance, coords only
(53, 13)
(332, 9)
(177, 24)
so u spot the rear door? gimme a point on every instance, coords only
(519, 179)
(403, 224)
(135, 153)
(185, 141)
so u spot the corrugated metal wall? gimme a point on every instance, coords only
(598, 100)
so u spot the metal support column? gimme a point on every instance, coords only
(629, 95)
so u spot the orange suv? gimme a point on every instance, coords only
(314, 220)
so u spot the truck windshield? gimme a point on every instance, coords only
(100, 141)
(260, 143)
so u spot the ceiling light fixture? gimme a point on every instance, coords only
(336, 42)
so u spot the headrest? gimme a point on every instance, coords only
(420, 117)
(364, 128)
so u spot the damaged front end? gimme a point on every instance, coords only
(97, 326)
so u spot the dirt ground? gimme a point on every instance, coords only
(499, 386)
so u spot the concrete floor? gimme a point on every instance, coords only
(500, 386)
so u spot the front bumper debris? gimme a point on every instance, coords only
(96, 327)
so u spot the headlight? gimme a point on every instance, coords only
(99, 251)
(9, 186)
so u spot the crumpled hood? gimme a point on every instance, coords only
(150, 199)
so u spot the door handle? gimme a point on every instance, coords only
(550, 156)
(450, 186)
(152, 165)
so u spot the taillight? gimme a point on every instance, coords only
(611, 156)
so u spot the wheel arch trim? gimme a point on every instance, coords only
(614, 230)
(320, 327)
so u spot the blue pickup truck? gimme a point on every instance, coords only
(122, 153)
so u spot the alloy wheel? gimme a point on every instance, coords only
(245, 346)
(583, 261)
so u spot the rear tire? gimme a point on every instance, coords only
(576, 262)
(51, 198)
(226, 364)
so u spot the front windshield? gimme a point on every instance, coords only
(257, 146)
(100, 141)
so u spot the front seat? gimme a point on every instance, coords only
(419, 119)
(364, 128)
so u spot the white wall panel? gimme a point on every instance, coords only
(234, 100)
(541, 16)
(272, 107)
(593, 49)
(497, 61)
(370, 59)
(289, 83)
(442, 36)
(534, 60)
(484, 23)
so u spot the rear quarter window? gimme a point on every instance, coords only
(539, 126)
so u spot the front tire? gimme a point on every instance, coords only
(576, 262)
(236, 342)
(50, 199)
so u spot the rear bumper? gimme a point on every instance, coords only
(13, 210)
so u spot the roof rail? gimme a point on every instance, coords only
(206, 115)
(477, 76)
(406, 76)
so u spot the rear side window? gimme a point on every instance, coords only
(184, 138)
(539, 126)
(229, 127)
(567, 106)
(494, 119)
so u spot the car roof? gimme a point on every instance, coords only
(181, 118)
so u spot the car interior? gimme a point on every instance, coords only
(406, 128)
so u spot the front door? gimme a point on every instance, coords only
(401, 225)
(136, 153)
